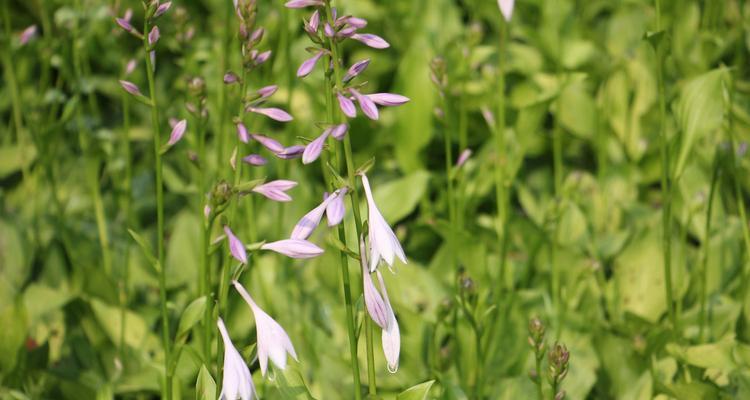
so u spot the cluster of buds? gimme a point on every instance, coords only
(196, 104)
(536, 341)
(558, 368)
(249, 35)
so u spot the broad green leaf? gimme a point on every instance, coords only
(15, 158)
(291, 385)
(397, 198)
(13, 270)
(110, 319)
(40, 300)
(12, 334)
(145, 248)
(416, 392)
(205, 386)
(183, 250)
(192, 314)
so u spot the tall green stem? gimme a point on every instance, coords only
(501, 194)
(167, 391)
(707, 248)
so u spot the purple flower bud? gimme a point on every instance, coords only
(335, 210)
(314, 22)
(339, 131)
(356, 69)
(230, 78)
(347, 32)
(374, 41)
(267, 91)
(242, 133)
(314, 148)
(255, 159)
(463, 157)
(272, 112)
(206, 211)
(346, 105)
(27, 34)
(235, 246)
(328, 30)
(268, 143)
(309, 64)
(307, 224)
(388, 99)
(276, 190)
(303, 3)
(257, 34)
(373, 300)
(489, 117)
(291, 152)
(125, 25)
(131, 88)
(262, 57)
(164, 7)
(152, 54)
(355, 22)
(177, 132)
(153, 36)
(366, 105)
(130, 67)
(294, 248)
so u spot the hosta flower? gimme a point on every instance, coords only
(27, 34)
(374, 41)
(346, 105)
(388, 99)
(154, 35)
(267, 142)
(235, 246)
(463, 158)
(506, 8)
(267, 91)
(312, 25)
(231, 78)
(272, 340)
(303, 3)
(391, 336)
(130, 67)
(307, 224)
(294, 248)
(237, 383)
(314, 148)
(373, 300)
(339, 131)
(308, 65)
(276, 190)
(367, 106)
(291, 152)
(131, 88)
(254, 159)
(163, 8)
(356, 69)
(242, 133)
(177, 132)
(272, 112)
(383, 242)
(335, 210)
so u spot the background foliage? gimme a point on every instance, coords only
(584, 69)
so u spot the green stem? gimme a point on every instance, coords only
(126, 208)
(204, 283)
(167, 391)
(501, 195)
(538, 380)
(706, 248)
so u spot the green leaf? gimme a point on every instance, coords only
(291, 385)
(145, 248)
(398, 198)
(110, 319)
(192, 314)
(12, 334)
(416, 392)
(205, 386)
(16, 157)
(183, 250)
(13, 269)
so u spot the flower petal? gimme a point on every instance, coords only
(177, 132)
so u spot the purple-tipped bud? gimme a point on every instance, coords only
(291, 152)
(267, 91)
(339, 131)
(177, 132)
(206, 211)
(276, 190)
(346, 105)
(307, 224)
(230, 78)
(356, 69)
(314, 148)
(355, 22)
(272, 112)
(257, 35)
(27, 34)
(131, 88)
(303, 3)
(125, 25)
(314, 23)
(308, 65)
(335, 210)
(255, 159)
(374, 41)
(347, 32)
(262, 57)
(235, 246)
(163, 8)
(294, 248)
(268, 143)
(328, 30)
(463, 158)
(242, 133)
(367, 106)
(130, 67)
(154, 35)
(388, 99)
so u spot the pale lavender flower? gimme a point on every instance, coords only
(128, 14)
(131, 88)
(27, 34)
(237, 383)
(309, 64)
(125, 25)
(154, 35)
(235, 246)
(374, 41)
(130, 67)
(383, 242)
(489, 117)
(303, 3)
(367, 106)
(267, 91)
(356, 69)
(391, 336)
(335, 210)
(307, 224)
(373, 300)
(163, 8)
(206, 211)
(272, 112)
(230, 78)
(312, 25)
(272, 341)
(339, 131)
(291, 152)
(346, 105)
(262, 57)
(242, 133)
(314, 148)
(294, 248)
(267, 142)
(346, 32)
(254, 159)
(328, 30)
(388, 99)
(506, 8)
(463, 158)
(177, 132)
(276, 190)
(354, 22)
(257, 34)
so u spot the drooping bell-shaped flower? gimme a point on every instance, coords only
(294, 248)
(335, 210)
(236, 247)
(373, 300)
(307, 224)
(272, 340)
(276, 190)
(383, 242)
(237, 383)
(267, 91)
(242, 133)
(391, 336)
(506, 8)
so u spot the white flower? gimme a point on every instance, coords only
(237, 383)
(506, 8)
(383, 242)
(272, 340)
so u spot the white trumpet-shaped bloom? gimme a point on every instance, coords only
(272, 341)
(506, 8)
(237, 383)
(383, 242)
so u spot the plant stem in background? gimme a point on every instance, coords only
(127, 196)
(666, 184)
(501, 195)
(204, 283)
(706, 247)
(167, 391)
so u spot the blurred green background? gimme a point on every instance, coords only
(585, 70)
